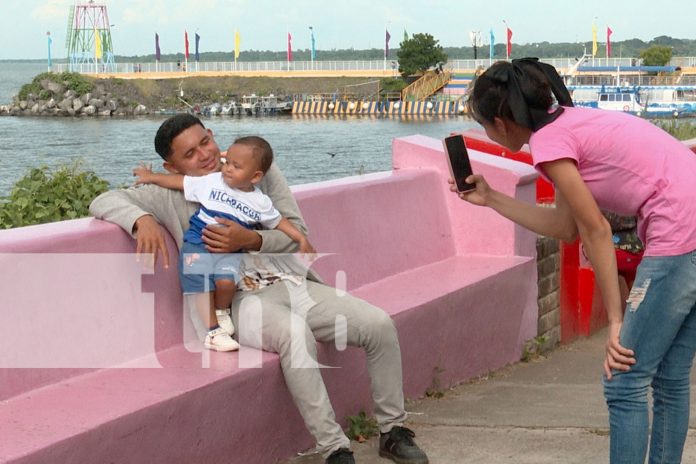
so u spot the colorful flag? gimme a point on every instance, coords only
(236, 44)
(289, 47)
(198, 39)
(609, 32)
(186, 45)
(386, 43)
(97, 44)
(594, 39)
(158, 53)
(50, 41)
(509, 41)
(314, 52)
(492, 50)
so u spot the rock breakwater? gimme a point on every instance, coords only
(54, 99)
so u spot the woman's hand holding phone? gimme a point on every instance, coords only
(478, 195)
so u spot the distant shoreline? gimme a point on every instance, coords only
(29, 60)
(681, 47)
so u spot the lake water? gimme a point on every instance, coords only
(112, 147)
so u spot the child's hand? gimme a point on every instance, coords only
(143, 174)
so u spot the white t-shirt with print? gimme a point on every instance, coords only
(217, 199)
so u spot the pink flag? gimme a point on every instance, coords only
(609, 32)
(186, 45)
(289, 47)
(509, 42)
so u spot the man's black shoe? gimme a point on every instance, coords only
(341, 456)
(398, 445)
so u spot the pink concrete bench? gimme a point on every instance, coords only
(459, 282)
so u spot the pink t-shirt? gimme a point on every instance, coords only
(632, 168)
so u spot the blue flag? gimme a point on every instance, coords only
(50, 41)
(198, 39)
(314, 52)
(492, 52)
(158, 53)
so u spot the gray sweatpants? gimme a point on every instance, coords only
(288, 319)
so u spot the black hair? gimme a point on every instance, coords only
(261, 149)
(170, 129)
(522, 91)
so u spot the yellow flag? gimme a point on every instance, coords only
(236, 44)
(97, 44)
(594, 39)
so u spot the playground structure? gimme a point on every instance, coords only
(88, 38)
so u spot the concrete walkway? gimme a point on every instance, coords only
(550, 410)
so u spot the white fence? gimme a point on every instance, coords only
(241, 66)
(357, 65)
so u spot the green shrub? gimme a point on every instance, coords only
(44, 196)
(34, 87)
(77, 82)
(392, 84)
(73, 81)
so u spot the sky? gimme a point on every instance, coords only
(339, 24)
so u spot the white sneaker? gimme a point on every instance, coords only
(219, 340)
(225, 320)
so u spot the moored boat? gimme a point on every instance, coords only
(254, 104)
(646, 101)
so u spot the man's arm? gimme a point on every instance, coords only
(125, 206)
(137, 211)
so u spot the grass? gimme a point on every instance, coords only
(681, 129)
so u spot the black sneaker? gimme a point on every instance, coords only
(341, 456)
(398, 445)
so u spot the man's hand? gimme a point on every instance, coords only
(307, 251)
(150, 241)
(306, 247)
(617, 357)
(229, 237)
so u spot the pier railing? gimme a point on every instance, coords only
(231, 67)
(382, 67)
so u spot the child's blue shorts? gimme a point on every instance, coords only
(199, 268)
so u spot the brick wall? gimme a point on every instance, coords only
(548, 269)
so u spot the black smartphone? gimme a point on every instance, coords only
(459, 163)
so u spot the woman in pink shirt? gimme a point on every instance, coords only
(621, 163)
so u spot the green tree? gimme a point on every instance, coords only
(419, 53)
(656, 55)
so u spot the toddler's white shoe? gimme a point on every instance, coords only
(225, 320)
(219, 340)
